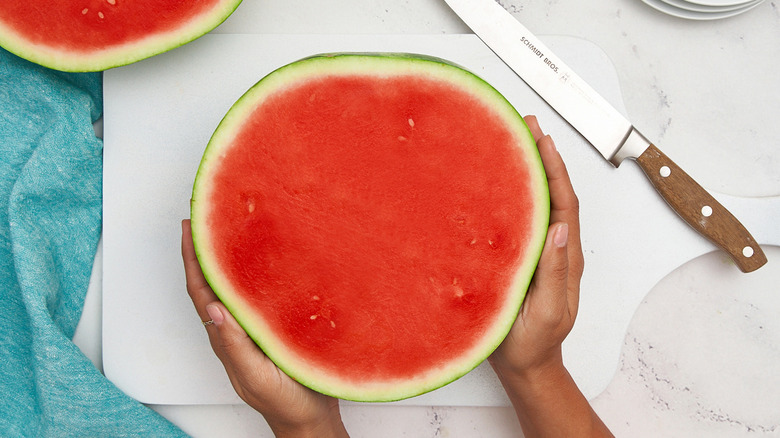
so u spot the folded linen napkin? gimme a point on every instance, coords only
(50, 222)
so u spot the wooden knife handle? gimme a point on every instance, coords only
(700, 210)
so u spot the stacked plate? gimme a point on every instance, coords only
(703, 9)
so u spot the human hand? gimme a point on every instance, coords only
(529, 362)
(533, 344)
(289, 408)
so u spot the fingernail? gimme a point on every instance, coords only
(560, 236)
(215, 314)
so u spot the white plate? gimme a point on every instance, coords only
(720, 3)
(691, 6)
(698, 15)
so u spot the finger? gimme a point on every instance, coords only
(564, 205)
(197, 287)
(563, 200)
(551, 280)
(533, 125)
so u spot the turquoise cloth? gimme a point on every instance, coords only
(50, 222)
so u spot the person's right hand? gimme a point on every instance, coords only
(290, 409)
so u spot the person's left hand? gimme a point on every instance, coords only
(289, 408)
(550, 307)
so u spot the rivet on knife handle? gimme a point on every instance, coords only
(700, 210)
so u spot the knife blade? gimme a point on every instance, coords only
(614, 136)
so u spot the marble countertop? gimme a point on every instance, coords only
(701, 355)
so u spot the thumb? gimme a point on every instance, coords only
(550, 283)
(247, 367)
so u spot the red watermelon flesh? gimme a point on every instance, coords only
(91, 35)
(372, 221)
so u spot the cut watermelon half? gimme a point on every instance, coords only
(372, 221)
(94, 35)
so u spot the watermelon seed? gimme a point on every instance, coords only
(111, 2)
(333, 324)
(473, 241)
(315, 298)
(100, 14)
(401, 138)
(411, 122)
(84, 11)
(313, 317)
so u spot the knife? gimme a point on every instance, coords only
(605, 128)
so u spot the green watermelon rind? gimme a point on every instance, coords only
(115, 56)
(294, 366)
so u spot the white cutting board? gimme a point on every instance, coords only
(159, 115)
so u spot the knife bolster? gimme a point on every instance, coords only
(634, 144)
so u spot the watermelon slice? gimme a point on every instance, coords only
(371, 220)
(94, 35)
